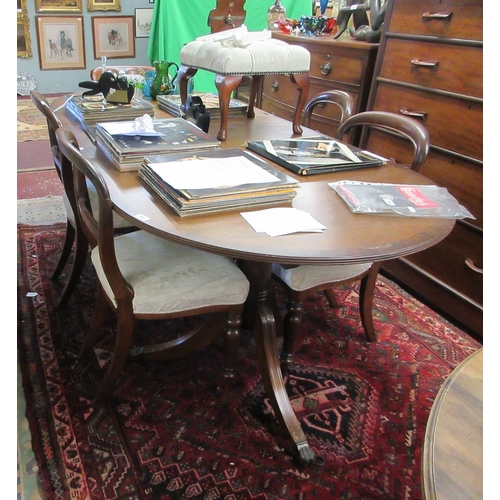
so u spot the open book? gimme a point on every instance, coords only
(314, 155)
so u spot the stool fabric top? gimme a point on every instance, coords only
(254, 53)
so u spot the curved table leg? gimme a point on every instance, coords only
(260, 309)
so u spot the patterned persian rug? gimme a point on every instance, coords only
(178, 430)
(31, 124)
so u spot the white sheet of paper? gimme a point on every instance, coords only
(283, 220)
(211, 173)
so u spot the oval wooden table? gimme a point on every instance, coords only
(452, 454)
(350, 238)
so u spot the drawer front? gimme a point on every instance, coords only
(452, 68)
(453, 261)
(332, 66)
(463, 179)
(441, 18)
(453, 124)
(281, 88)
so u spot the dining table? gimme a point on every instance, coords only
(349, 238)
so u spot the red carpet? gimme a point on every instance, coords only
(178, 430)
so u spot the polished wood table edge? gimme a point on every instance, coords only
(472, 364)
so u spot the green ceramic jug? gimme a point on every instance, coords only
(163, 83)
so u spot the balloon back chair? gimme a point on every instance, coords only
(74, 234)
(302, 281)
(142, 276)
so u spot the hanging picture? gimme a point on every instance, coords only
(60, 42)
(21, 7)
(103, 5)
(58, 6)
(113, 36)
(143, 18)
(23, 37)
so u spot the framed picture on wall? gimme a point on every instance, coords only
(113, 36)
(59, 6)
(143, 19)
(23, 37)
(60, 42)
(21, 7)
(103, 5)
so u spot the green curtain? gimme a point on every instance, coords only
(176, 22)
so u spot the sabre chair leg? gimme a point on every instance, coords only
(100, 312)
(66, 251)
(123, 344)
(81, 252)
(293, 319)
(366, 291)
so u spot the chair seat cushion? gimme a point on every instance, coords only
(259, 58)
(168, 278)
(304, 277)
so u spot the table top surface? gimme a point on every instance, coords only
(349, 238)
(452, 458)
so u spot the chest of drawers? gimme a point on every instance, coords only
(342, 64)
(430, 67)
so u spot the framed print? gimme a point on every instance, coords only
(143, 18)
(60, 42)
(103, 5)
(23, 37)
(113, 36)
(58, 6)
(21, 7)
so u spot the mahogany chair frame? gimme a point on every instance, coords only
(417, 135)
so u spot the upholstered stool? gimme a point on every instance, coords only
(235, 53)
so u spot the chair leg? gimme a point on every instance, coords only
(232, 337)
(225, 84)
(100, 312)
(292, 321)
(366, 291)
(66, 251)
(123, 343)
(302, 82)
(81, 252)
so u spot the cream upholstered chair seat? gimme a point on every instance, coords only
(168, 278)
(235, 53)
(142, 276)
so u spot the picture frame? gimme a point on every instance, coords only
(103, 5)
(61, 43)
(21, 7)
(23, 37)
(143, 19)
(113, 36)
(66, 6)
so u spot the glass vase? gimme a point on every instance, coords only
(163, 81)
(275, 14)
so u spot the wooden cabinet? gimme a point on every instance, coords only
(430, 66)
(342, 64)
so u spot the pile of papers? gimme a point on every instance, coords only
(172, 104)
(93, 109)
(127, 143)
(215, 181)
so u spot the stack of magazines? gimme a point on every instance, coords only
(172, 104)
(93, 109)
(215, 181)
(127, 143)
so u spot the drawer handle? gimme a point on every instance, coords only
(425, 64)
(439, 16)
(325, 68)
(275, 86)
(470, 264)
(413, 114)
